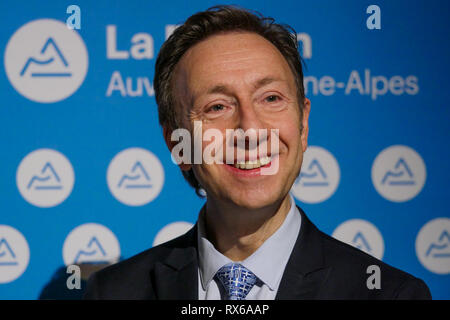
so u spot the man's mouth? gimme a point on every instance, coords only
(252, 164)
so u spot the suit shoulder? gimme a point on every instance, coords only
(131, 278)
(351, 265)
(344, 255)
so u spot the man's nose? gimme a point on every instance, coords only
(248, 117)
(250, 122)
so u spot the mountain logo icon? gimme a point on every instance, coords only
(54, 55)
(47, 180)
(45, 61)
(91, 243)
(433, 245)
(319, 176)
(314, 176)
(398, 173)
(7, 256)
(401, 175)
(441, 248)
(360, 242)
(135, 176)
(361, 234)
(138, 178)
(14, 254)
(94, 252)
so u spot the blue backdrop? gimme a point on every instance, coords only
(86, 176)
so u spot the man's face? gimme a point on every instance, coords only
(240, 80)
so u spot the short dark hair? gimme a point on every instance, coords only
(218, 20)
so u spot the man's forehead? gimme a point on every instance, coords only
(195, 74)
(236, 48)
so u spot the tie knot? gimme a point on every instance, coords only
(237, 280)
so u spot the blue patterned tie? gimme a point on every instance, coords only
(237, 280)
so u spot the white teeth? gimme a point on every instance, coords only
(252, 164)
(265, 160)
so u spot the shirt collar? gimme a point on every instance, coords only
(267, 262)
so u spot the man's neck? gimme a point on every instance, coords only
(237, 232)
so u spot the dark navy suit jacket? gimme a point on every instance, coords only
(320, 267)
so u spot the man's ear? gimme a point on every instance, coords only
(305, 118)
(167, 133)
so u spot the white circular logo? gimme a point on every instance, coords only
(361, 234)
(135, 176)
(91, 243)
(45, 61)
(318, 178)
(45, 178)
(433, 245)
(14, 254)
(171, 231)
(398, 173)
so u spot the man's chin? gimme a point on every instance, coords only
(254, 200)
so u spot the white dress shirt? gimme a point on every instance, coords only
(267, 262)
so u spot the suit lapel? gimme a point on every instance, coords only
(305, 272)
(176, 277)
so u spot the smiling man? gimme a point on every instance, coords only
(227, 68)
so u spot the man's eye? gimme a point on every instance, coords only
(272, 98)
(216, 108)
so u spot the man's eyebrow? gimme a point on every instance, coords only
(265, 81)
(220, 88)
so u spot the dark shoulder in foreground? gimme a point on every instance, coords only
(352, 274)
(133, 278)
